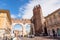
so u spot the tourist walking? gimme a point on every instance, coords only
(4, 37)
(16, 38)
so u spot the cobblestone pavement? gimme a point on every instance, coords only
(37, 38)
(0, 38)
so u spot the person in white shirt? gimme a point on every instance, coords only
(16, 38)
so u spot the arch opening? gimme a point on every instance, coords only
(28, 29)
(18, 27)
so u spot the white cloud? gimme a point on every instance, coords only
(48, 6)
(13, 16)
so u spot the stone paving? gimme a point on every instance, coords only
(37, 38)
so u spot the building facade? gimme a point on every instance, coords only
(52, 23)
(5, 22)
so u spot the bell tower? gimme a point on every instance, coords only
(37, 20)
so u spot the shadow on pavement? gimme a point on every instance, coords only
(51, 37)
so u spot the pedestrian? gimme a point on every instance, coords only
(16, 38)
(11, 38)
(4, 38)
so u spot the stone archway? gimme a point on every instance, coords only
(17, 24)
(19, 28)
(28, 28)
(23, 22)
(23, 28)
(22, 32)
(32, 29)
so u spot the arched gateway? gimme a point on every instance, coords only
(22, 25)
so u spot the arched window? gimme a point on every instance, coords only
(18, 27)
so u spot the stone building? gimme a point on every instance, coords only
(5, 22)
(22, 24)
(48, 25)
(52, 23)
(37, 19)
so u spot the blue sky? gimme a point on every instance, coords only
(17, 27)
(13, 6)
(23, 8)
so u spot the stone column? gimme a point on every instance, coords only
(32, 28)
(23, 30)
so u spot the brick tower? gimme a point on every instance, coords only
(37, 20)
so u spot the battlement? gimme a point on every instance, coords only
(36, 9)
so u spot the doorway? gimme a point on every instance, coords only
(53, 32)
(45, 31)
(58, 31)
